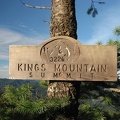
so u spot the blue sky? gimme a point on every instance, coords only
(20, 25)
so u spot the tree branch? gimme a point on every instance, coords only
(92, 10)
(38, 7)
(98, 2)
(46, 22)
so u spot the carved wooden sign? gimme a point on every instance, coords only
(63, 58)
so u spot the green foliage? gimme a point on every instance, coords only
(90, 113)
(115, 42)
(38, 91)
(99, 43)
(18, 103)
(107, 100)
(44, 83)
(93, 10)
(117, 30)
(97, 102)
(13, 94)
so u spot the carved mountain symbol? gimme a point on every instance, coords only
(60, 51)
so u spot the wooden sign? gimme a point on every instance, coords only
(63, 58)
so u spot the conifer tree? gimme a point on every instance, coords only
(63, 23)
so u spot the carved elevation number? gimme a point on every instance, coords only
(56, 59)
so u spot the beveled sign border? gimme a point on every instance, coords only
(64, 58)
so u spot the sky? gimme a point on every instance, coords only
(20, 25)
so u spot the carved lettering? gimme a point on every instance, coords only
(30, 67)
(51, 59)
(80, 75)
(98, 69)
(64, 67)
(57, 68)
(103, 68)
(62, 70)
(86, 67)
(43, 67)
(55, 75)
(19, 67)
(72, 67)
(42, 75)
(92, 69)
(25, 67)
(36, 67)
(30, 74)
(79, 68)
(92, 75)
(68, 75)
(56, 59)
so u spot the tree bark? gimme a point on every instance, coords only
(63, 23)
(63, 18)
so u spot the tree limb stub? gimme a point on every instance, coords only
(46, 22)
(38, 7)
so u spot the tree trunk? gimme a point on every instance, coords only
(63, 23)
(63, 18)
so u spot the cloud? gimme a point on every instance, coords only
(9, 37)
(6, 35)
(4, 71)
(105, 24)
(27, 28)
(21, 25)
